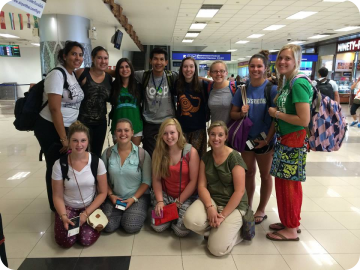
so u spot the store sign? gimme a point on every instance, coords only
(203, 66)
(346, 74)
(349, 46)
(176, 64)
(34, 7)
(202, 56)
(242, 64)
(305, 57)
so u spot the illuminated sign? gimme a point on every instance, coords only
(349, 46)
(202, 56)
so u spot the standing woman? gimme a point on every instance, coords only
(126, 99)
(96, 84)
(78, 189)
(175, 168)
(220, 95)
(260, 93)
(192, 100)
(292, 115)
(129, 172)
(223, 200)
(61, 110)
(355, 87)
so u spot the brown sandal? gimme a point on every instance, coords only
(280, 227)
(282, 237)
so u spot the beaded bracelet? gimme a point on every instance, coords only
(211, 205)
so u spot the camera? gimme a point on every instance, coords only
(288, 39)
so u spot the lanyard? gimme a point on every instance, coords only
(159, 87)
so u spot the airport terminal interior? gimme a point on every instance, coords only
(330, 213)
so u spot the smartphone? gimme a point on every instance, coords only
(153, 214)
(74, 229)
(120, 205)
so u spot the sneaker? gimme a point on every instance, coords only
(353, 123)
(358, 125)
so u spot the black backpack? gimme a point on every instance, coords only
(65, 166)
(27, 109)
(325, 88)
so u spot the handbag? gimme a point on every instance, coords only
(97, 220)
(289, 162)
(170, 211)
(247, 230)
(239, 129)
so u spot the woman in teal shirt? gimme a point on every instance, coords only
(126, 98)
(129, 177)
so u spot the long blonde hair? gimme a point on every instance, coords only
(296, 50)
(161, 157)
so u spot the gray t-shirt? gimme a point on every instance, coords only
(220, 104)
(157, 103)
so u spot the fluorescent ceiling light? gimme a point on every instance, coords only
(198, 26)
(334, 0)
(349, 28)
(241, 58)
(190, 34)
(35, 44)
(187, 40)
(318, 36)
(301, 15)
(255, 36)
(242, 41)
(297, 42)
(207, 13)
(8, 36)
(232, 50)
(249, 56)
(274, 50)
(274, 27)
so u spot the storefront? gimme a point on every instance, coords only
(243, 69)
(347, 68)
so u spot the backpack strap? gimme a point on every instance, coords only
(108, 154)
(84, 74)
(66, 85)
(94, 166)
(232, 86)
(64, 165)
(267, 93)
(210, 87)
(141, 154)
(146, 78)
(186, 150)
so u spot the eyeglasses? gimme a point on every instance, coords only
(218, 71)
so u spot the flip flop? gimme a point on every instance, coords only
(280, 227)
(261, 220)
(282, 237)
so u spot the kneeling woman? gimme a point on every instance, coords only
(129, 170)
(175, 171)
(78, 189)
(223, 199)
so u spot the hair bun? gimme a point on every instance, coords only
(265, 53)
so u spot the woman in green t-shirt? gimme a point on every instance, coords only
(291, 115)
(126, 99)
(223, 199)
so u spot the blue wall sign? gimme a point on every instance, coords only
(305, 57)
(202, 56)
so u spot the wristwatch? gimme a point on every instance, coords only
(135, 199)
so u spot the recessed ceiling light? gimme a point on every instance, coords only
(318, 36)
(232, 50)
(214, 50)
(301, 15)
(297, 42)
(274, 50)
(187, 40)
(255, 36)
(198, 26)
(206, 13)
(242, 41)
(241, 58)
(249, 56)
(334, 0)
(191, 34)
(274, 27)
(35, 44)
(348, 28)
(8, 36)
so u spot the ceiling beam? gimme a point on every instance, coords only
(117, 10)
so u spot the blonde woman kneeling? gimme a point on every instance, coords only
(175, 167)
(223, 199)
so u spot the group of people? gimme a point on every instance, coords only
(211, 189)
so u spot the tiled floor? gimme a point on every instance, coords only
(330, 237)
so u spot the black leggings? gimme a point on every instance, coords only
(353, 108)
(97, 137)
(50, 144)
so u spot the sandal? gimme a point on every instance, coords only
(282, 237)
(279, 226)
(262, 218)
